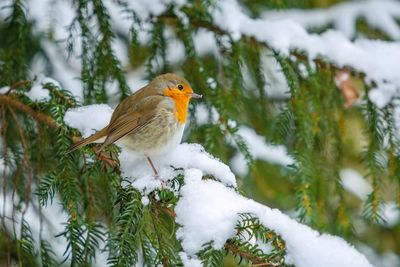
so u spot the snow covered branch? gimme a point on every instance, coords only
(208, 210)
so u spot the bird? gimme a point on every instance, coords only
(149, 122)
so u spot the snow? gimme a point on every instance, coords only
(88, 119)
(208, 211)
(283, 31)
(66, 71)
(379, 60)
(390, 214)
(188, 261)
(355, 183)
(54, 218)
(380, 14)
(259, 149)
(4, 90)
(385, 259)
(257, 145)
(204, 43)
(38, 93)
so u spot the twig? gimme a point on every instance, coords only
(256, 261)
(25, 161)
(16, 85)
(3, 129)
(38, 116)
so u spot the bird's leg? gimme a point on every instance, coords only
(155, 172)
(152, 166)
(108, 160)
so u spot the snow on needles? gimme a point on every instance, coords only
(88, 119)
(259, 149)
(355, 183)
(208, 210)
(40, 94)
(381, 14)
(379, 60)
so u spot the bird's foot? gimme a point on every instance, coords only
(107, 159)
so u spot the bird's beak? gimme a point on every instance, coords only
(194, 95)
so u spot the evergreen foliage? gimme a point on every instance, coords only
(106, 213)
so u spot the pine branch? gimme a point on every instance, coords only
(38, 116)
(256, 261)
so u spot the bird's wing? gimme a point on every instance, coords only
(132, 120)
(139, 100)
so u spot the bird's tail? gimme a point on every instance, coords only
(89, 140)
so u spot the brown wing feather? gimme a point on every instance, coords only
(86, 141)
(134, 102)
(133, 120)
(126, 126)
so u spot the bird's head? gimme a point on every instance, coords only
(176, 87)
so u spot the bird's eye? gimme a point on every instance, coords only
(180, 87)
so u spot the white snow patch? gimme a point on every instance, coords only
(190, 261)
(204, 116)
(276, 85)
(259, 149)
(4, 168)
(38, 93)
(380, 14)
(135, 80)
(386, 259)
(4, 90)
(383, 95)
(355, 183)
(184, 156)
(204, 42)
(88, 119)
(208, 211)
(390, 213)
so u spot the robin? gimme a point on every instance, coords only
(149, 122)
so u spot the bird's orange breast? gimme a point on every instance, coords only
(181, 104)
(181, 101)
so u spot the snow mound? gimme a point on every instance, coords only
(208, 211)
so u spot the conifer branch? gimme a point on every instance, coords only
(171, 18)
(38, 116)
(256, 261)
